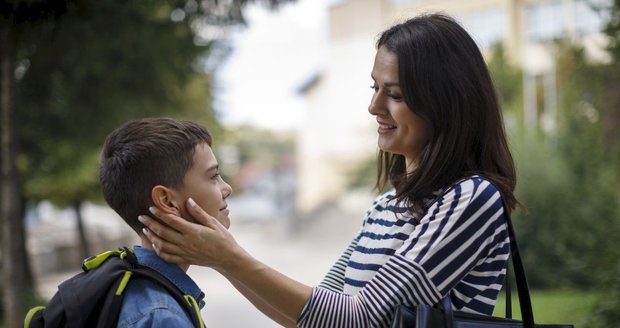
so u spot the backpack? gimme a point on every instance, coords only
(93, 298)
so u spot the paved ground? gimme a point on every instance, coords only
(305, 256)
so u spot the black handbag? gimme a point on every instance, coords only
(443, 316)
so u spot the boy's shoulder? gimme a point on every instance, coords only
(146, 301)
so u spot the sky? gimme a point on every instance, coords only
(271, 59)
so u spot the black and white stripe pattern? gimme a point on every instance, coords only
(459, 247)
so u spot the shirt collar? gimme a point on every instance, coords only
(172, 272)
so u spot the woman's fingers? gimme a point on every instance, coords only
(159, 230)
(168, 257)
(175, 222)
(200, 215)
(162, 246)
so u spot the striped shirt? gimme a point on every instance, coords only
(460, 246)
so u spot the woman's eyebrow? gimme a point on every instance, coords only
(387, 84)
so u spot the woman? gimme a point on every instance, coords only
(440, 231)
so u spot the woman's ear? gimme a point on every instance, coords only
(164, 199)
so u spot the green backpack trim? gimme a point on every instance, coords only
(31, 314)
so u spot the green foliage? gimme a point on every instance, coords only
(606, 311)
(554, 306)
(568, 231)
(566, 179)
(507, 79)
(570, 184)
(80, 69)
(101, 64)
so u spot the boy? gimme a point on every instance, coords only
(160, 162)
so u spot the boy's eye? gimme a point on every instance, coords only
(215, 176)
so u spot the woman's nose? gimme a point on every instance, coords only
(374, 107)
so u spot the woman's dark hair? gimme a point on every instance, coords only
(445, 81)
(142, 154)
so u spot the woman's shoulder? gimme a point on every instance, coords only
(381, 202)
(475, 187)
(384, 197)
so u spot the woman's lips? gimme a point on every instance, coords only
(385, 128)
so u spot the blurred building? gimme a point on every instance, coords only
(339, 133)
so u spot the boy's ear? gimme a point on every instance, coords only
(164, 199)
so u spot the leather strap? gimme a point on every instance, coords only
(508, 302)
(446, 303)
(525, 303)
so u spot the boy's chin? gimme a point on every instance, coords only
(225, 222)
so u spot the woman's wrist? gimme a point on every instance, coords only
(238, 259)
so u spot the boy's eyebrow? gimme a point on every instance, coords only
(213, 167)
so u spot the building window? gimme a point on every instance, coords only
(545, 21)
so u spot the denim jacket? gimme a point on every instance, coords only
(147, 304)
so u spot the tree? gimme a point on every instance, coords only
(18, 24)
(72, 71)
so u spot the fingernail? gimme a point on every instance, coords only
(145, 231)
(141, 218)
(153, 210)
(191, 202)
(154, 247)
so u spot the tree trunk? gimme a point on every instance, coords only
(85, 249)
(17, 287)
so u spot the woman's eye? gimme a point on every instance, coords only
(395, 96)
(374, 87)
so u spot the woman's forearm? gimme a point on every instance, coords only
(283, 294)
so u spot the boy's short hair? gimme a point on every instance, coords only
(144, 153)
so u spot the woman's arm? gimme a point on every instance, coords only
(210, 244)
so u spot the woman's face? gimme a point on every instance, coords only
(401, 131)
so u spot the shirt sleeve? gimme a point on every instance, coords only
(458, 231)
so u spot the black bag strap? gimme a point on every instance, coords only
(523, 290)
(508, 312)
(525, 303)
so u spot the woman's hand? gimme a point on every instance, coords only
(205, 243)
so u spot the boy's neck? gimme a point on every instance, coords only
(145, 243)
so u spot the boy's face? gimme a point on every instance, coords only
(203, 183)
